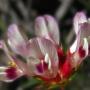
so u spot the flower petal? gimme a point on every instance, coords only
(47, 27)
(86, 46)
(22, 66)
(85, 30)
(38, 62)
(48, 61)
(83, 35)
(83, 49)
(79, 18)
(9, 74)
(80, 54)
(35, 56)
(16, 41)
(32, 64)
(73, 47)
(34, 49)
(3, 74)
(52, 28)
(47, 47)
(41, 27)
(6, 51)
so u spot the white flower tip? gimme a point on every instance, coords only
(73, 47)
(86, 46)
(47, 60)
(79, 18)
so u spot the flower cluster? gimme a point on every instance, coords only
(43, 55)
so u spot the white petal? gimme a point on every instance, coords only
(16, 41)
(47, 47)
(34, 49)
(3, 77)
(41, 28)
(53, 28)
(2, 68)
(78, 41)
(86, 46)
(48, 61)
(14, 34)
(39, 48)
(79, 18)
(47, 27)
(73, 46)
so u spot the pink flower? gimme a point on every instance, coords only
(43, 55)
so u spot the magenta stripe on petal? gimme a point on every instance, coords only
(39, 68)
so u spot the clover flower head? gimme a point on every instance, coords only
(44, 56)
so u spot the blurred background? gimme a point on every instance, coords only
(24, 12)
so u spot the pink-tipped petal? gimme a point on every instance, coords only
(16, 41)
(41, 27)
(79, 18)
(47, 27)
(53, 28)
